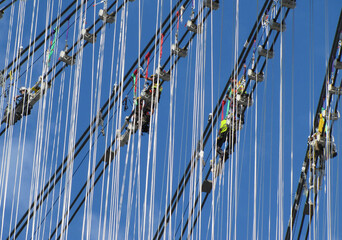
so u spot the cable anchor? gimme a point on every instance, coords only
(334, 90)
(181, 52)
(105, 17)
(265, 53)
(90, 38)
(214, 5)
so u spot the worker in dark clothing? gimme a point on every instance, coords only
(23, 106)
(222, 135)
(226, 133)
(151, 90)
(149, 94)
(142, 115)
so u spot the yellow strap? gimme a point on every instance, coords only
(321, 123)
(34, 89)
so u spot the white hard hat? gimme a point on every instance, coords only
(22, 89)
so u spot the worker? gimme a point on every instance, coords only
(226, 133)
(142, 115)
(155, 86)
(23, 105)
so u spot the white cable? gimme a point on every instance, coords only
(255, 165)
(73, 125)
(281, 163)
(113, 231)
(17, 192)
(19, 35)
(38, 171)
(122, 45)
(115, 171)
(154, 105)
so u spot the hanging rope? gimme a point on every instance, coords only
(223, 103)
(66, 37)
(161, 45)
(177, 14)
(52, 44)
(135, 83)
(229, 96)
(147, 57)
(176, 35)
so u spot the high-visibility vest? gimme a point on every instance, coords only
(223, 126)
(155, 86)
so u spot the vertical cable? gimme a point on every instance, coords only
(281, 164)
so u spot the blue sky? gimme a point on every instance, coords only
(306, 47)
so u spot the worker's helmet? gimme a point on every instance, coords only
(23, 89)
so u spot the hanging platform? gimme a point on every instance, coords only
(277, 26)
(334, 90)
(131, 129)
(90, 38)
(124, 139)
(258, 77)
(244, 99)
(181, 52)
(163, 75)
(207, 185)
(288, 3)
(10, 117)
(331, 116)
(213, 5)
(191, 26)
(337, 64)
(39, 89)
(265, 53)
(63, 56)
(119, 131)
(108, 156)
(104, 16)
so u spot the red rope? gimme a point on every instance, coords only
(148, 63)
(136, 80)
(161, 45)
(177, 20)
(223, 103)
